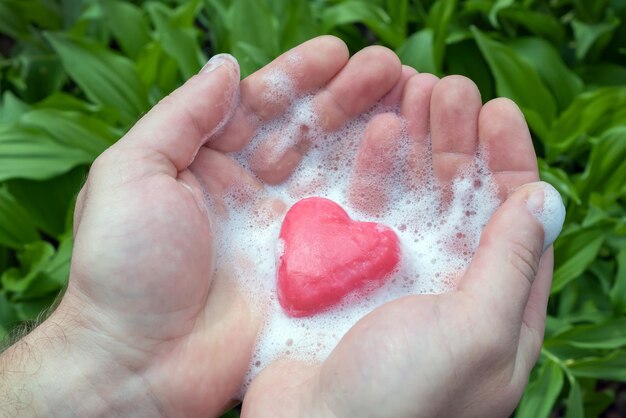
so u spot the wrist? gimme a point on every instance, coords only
(63, 368)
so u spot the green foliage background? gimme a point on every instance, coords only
(76, 74)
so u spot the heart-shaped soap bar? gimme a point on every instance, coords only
(327, 256)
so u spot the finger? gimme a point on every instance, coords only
(369, 75)
(268, 92)
(504, 135)
(219, 174)
(506, 263)
(415, 109)
(455, 106)
(170, 135)
(395, 94)
(534, 319)
(378, 151)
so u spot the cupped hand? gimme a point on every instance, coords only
(464, 353)
(143, 289)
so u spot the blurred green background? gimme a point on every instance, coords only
(75, 75)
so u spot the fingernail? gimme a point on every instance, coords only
(217, 61)
(546, 205)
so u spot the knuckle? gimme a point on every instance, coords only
(525, 259)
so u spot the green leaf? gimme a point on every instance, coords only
(370, 14)
(418, 51)
(73, 129)
(574, 403)
(560, 80)
(297, 25)
(16, 227)
(106, 77)
(252, 23)
(610, 334)
(606, 170)
(538, 23)
(605, 74)
(48, 202)
(590, 114)
(465, 58)
(128, 24)
(439, 18)
(618, 292)
(32, 154)
(611, 367)
(33, 260)
(250, 58)
(518, 80)
(178, 37)
(574, 251)
(588, 35)
(559, 179)
(496, 8)
(11, 108)
(542, 393)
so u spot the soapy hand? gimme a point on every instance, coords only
(149, 317)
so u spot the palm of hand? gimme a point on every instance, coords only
(182, 314)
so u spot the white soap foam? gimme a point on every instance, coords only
(437, 239)
(551, 215)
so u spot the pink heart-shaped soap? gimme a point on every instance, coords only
(327, 256)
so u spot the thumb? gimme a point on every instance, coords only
(169, 136)
(507, 260)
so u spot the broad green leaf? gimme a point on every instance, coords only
(618, 292)
(560, 80)
(358, 11)
(250, 58)
(606, 169)
(11, 108)
(418, 51)
(16, 227)
(588, 35)
(58, 269)
(72, 129)
(559, 179)
(540, 24)
(179, 39)
(610, 334)
(297, 25)
(517, 79)
(32, 154)
(590, 114)
(105, 77)
(27, 279)
(542, 393)
(38, 72)
(496, 8)
(439, 18)
(252, 22)
(16, 16)
(398, 10)
(605, 74)
(128, 24)
(465, 58)
(158, 70)
(574, 403)
(574, 251)
(611, 367)
(48, 202)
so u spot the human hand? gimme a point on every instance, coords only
(464, 353)
(147, 326)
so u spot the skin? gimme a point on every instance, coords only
(150, 330)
